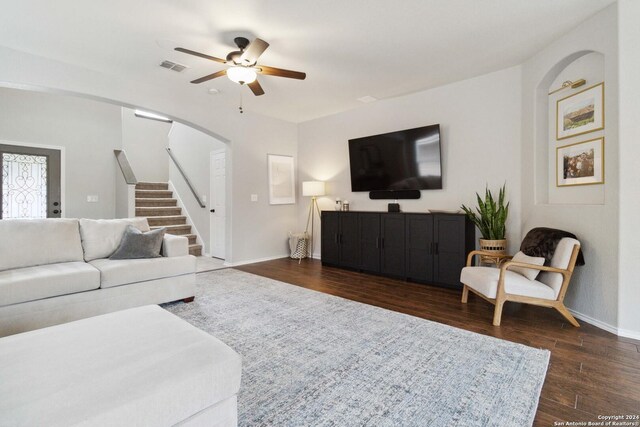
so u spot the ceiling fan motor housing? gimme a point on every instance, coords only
(241, 42)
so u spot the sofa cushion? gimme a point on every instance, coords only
(45, 281)
(122, 272)
(29, 242)
(101, 237)
(142, 367)
(485, 281)
(135, 244)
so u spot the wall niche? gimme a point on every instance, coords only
(591, 67)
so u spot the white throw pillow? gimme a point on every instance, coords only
(529, 273)
(101, 237)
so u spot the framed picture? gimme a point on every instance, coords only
(581, 163)
(282, 185)
(580, 113)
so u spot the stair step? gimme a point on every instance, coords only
(179, 230)
(195, 250)
(166, 220)
(154, 194)
(161, 202)
(158, 211)
(152, 186)
(192, 238)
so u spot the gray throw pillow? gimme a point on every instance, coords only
(135, 244)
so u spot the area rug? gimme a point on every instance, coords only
(311, 359)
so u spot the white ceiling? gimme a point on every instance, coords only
(348, 48)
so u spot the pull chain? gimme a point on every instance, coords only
(241, 112)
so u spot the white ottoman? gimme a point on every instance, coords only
(137, 367)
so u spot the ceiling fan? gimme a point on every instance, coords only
(243, 65)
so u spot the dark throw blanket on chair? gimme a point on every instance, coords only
(542, 242)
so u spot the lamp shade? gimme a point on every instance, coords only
(313, 188)
(242, 75)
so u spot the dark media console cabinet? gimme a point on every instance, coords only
(421, 247)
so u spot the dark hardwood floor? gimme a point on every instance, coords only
(592, 372)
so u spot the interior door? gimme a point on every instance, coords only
(30, 182)
(217, 216)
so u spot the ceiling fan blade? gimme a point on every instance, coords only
(253, 51)
(272, 71)
(201, 55)
(256, 88)
(210, 77)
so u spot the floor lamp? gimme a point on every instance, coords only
(312, 189)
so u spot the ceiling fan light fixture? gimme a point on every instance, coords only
(242, 75)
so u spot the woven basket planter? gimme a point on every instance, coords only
(497, 248)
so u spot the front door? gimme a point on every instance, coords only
(30, 182)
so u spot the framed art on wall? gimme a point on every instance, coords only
(581, 163)
(580, 113)
(282, 186)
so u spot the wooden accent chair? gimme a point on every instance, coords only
(499, 285)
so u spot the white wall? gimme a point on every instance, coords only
(260, 228)
(629, 246)
(480, 135)
(89, 131)
(594, 289)
(145, 141)
(192, 148)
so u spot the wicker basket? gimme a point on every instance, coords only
(497, 248)
(299, 245)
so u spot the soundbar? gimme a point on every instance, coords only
(394, 194)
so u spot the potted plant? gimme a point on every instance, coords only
(491, 218)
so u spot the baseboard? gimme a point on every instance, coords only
(605, 326)
(629, 334)
(253, 261)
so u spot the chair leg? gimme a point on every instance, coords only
(497, 314)
(465, 294)
(565, 313)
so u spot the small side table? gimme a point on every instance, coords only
(494, 260)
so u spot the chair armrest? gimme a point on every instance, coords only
(173, 245)
(505, 266)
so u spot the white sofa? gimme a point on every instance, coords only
(54, 271)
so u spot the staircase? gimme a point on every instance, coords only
(155, 202)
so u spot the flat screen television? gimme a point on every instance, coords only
(402, 160)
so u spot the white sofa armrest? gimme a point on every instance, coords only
(173, 245)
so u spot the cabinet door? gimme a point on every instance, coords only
(450, 254)
(369, 241)
(419, 244)
(349, 240)
(392, 255)
(330, 234)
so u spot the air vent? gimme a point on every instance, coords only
(173, 66)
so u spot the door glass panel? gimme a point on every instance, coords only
(24, 186)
